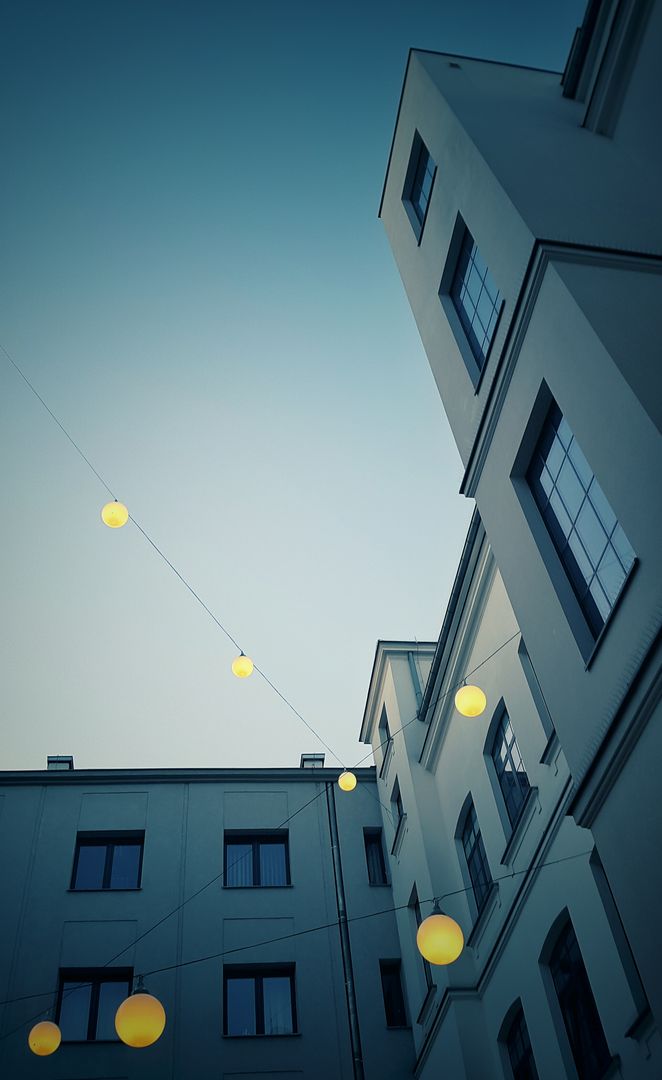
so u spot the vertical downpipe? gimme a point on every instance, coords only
(345, 945)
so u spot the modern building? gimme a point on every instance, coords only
(249, 900)
(523, 211)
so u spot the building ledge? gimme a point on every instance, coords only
(424, 1010)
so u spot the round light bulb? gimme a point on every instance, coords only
(242, 666)
(44, 1038)
(347, 781)
(114, 515)
(470, 701)
(140, 1020)
(439, 939)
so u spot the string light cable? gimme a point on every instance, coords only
(295, 934)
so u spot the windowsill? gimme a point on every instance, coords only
(603, 633)
(427, 1002)
(519, 828)
(282, 1035)
(640, 1027)
(138, 888)
(386, 763)
(399, 835)
(483, 915)
(257, 888)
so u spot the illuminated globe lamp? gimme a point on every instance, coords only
(470, 701)
(140, 1019)
(242, 666)
(44, 1038)
(347, 781)
(439, 938)
(115, 515)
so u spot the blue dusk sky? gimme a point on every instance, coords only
(194, 277)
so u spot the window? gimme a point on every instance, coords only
(510, 770)
(418, 185)
(476, 859)
(256, 860)
(374, 856)
(418, 919)
(87, 1001)
(385, 741)
(476, 299)
(580, 1015)
(518, 1046)
(592, 546)
(394, 1002)
(108, 862)
(259, 1001)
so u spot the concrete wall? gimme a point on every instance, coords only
(46, 926)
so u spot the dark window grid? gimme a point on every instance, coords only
(253, 859)
(476, 298)
(74, 979)
(421, 186)
(374, 854)
(427, 970)
(581, 523)
(394, 1002)
(258, 977)
(520, 1050)
(474, 853)
(107, 876)
(580, 1014)
(511, 774)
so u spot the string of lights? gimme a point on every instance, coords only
(435, 900)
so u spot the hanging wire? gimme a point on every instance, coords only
(295, 934)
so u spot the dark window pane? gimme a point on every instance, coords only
(240, 1006)
(374, 854)
(111, 996)
(273, 864)
(238, 864)
(90, 866)
(75, 1010)
(570, 489)
(125, 870)
(591, 533)
(394, 1004)
(519, 1050)
(476, 299)
(277, 1005)
(580, 1015)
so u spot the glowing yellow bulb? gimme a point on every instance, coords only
(114, 515)
(44, 1038)
(140, 1020)
(439, 939)
(470, 701)
(347, 781)
(242, 666)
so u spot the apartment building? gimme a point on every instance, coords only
(523, 211)
(248, 899)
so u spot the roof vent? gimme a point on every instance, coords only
(312, 761)
(60, 763)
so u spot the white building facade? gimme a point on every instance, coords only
(251, 896)
(523, 211)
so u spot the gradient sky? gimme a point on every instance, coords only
(194, 277)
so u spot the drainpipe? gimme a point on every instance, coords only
(345, 946)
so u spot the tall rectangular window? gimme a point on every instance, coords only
(374, 856)
(88, 999)
(418, 184)
(476, 859)
(580, 1014)
(259, 1000)
(520, 1052)
(476, 299)
(108, 862)
(394, 1002)
(256, 860)
(415, 908)
(385, 741)
(511, 774)
(592, 546)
